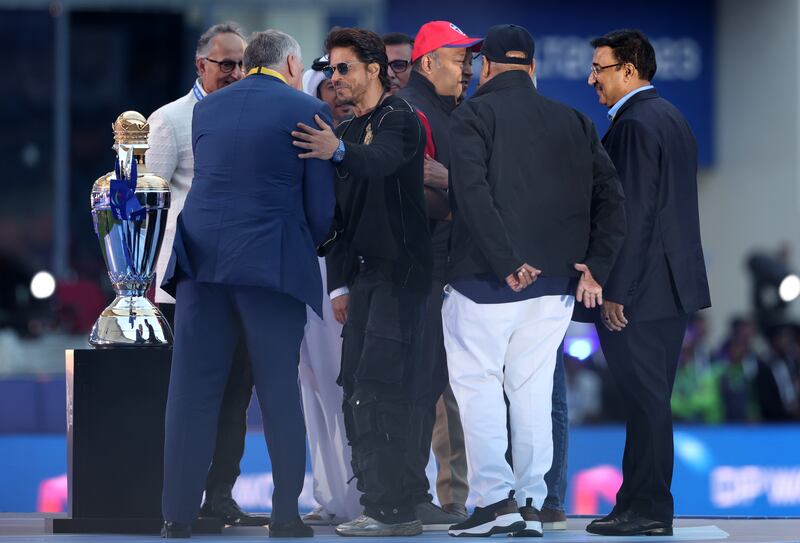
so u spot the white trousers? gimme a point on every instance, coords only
(511, 347)
(320, 360)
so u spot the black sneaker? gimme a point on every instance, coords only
(502, 517)
(533, 521)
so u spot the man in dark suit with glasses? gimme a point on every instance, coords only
(659, 278)
(398, 51)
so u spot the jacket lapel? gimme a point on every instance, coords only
(649, 94)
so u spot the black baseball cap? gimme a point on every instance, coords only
(502, 40)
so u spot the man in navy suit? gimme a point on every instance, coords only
(659, 277)
(244, 265)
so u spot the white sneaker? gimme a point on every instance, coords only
(320, 517)
(365, 526)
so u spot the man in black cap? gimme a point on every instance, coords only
(538, 222)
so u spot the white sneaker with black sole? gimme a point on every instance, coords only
(502, 517)
(533, 521)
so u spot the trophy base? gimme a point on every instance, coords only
(131, 321)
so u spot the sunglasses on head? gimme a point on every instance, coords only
(342, 68)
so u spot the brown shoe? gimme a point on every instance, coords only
(455, 509)
(552, 519)
(533, 522)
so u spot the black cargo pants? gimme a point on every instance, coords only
(381, 345)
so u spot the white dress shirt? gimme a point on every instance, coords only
(170, 156)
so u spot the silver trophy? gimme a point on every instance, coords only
(129, 210)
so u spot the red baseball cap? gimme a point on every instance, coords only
(436, 34)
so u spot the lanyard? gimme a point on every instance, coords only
(198, 93)
(266, 71)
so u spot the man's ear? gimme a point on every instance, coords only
(485, 68)
(532, 68)
(200, 64)
(426, 63)
(630, 70)
(373, 70)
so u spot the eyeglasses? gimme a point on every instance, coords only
(226, 66)
(595, 69)
(342, 68)
(399, 66)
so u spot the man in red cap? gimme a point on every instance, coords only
(438, 57)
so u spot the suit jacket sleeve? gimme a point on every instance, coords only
(199, 122)
(318, 196)
(469, 155)
(636, 153)
(337, 266)
(608, 211)
(397, 134)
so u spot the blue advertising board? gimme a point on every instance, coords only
(724, 470)
(681, 32)
(719, 470)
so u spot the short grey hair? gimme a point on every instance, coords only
(269, 49)
(417, 65)
(204, 43)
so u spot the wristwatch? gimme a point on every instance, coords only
(338, 154)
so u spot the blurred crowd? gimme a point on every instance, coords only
(752, 376)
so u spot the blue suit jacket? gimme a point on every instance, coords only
(256, 211)
(660, 271)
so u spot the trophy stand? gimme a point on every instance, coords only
(117, 392)
(116, 399)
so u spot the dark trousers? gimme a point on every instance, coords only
(232, 426)
(380, 348)
(210, 319)
(428, 383)
(556, 478)
(643, 359)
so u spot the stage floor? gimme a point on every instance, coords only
(27, 528)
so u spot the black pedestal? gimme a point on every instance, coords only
(116, 399)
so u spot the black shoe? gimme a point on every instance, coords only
(499, 518)
(293, 528)
(224, 507)
(630, 523)
(176, 530)
(607, 520)
(533, 521)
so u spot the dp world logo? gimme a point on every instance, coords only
(454, 27)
